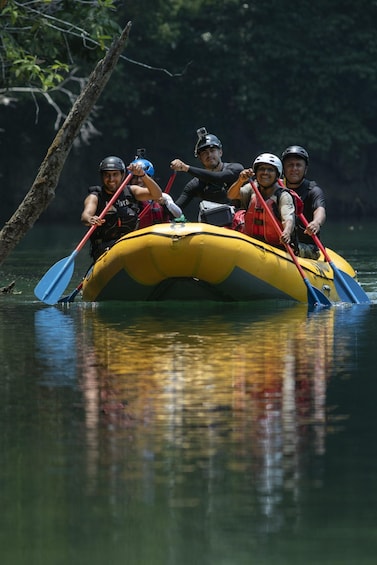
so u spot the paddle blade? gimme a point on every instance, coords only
(348, 289)
(70, 297)
(315, 296)
(55, 281)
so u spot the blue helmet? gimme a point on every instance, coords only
(147, 165)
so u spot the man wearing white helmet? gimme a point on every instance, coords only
(295, 164)
(267, 169)
(211, 182)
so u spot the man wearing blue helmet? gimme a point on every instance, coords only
(211, 182)
(122, 217)
(154, 212)
(147, 167)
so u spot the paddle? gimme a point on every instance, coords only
(170, 182)
(348, 289)
(315, 296)
(71, 297)
(167, 190)
(57, 278)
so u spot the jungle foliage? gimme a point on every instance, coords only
(261, 75)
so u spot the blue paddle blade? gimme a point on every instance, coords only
(71, 297)
(315, 296)
(55, 281)
(348, 289)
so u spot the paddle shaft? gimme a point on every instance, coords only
(71, 297)
(113, 199)
(63, 270)
(274, 222)
(347, 287)
(315, 238)
(167, 190)
(276, 226)
(355, 294)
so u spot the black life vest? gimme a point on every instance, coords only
(120, 220)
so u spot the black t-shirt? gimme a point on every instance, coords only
(313, 198)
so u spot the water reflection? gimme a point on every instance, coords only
(55, 336)
(206, 409)
(150, 435)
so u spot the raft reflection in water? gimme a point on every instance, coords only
(188, 403)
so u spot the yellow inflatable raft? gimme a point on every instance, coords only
(198, 261)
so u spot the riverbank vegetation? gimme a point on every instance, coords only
(261, 75)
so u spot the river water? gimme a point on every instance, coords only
(181, 434)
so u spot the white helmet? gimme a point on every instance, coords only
(268, 159)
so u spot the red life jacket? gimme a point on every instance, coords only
(155, 214)
(258, 224)
(298, 202)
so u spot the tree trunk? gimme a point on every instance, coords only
(43, 188)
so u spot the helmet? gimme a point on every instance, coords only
(268, 159)
(112, 164)
(147, 165)
(295, 150)
(206, 140)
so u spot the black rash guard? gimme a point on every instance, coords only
(210, 185)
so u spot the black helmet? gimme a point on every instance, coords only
(296, 150)
(206, 140)
(112, 164)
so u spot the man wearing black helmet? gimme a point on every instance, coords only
(212, 182)
(122, 217)
(295, 165)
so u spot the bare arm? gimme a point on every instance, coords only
(234, 190)
(151, 190)
(287, 212)
(88, 216)
(319, 218)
